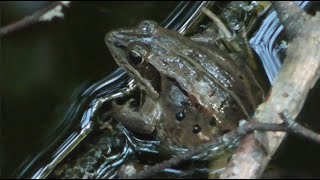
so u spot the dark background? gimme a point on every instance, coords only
(43, 67)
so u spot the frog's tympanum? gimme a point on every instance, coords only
(191, 93)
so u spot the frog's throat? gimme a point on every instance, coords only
(236, 98)
(143, 84)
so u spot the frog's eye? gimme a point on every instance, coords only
(135, 57)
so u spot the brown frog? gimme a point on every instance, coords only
(191, 93)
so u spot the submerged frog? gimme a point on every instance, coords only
(191, 93)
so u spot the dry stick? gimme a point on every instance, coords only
(299, 73)
(45, 14)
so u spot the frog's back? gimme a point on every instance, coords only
(211, 78)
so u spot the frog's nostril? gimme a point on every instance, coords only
(110, 36)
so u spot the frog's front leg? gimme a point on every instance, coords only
(141, 121)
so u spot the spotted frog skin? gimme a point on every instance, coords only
(190, 93)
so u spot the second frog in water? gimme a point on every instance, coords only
(190, 93)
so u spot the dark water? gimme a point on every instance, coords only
(270, 44)
(44, 67)
(47, 66)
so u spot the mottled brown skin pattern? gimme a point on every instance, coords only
(176, 74)
(179, 133)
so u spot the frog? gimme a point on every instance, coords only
(190, 93)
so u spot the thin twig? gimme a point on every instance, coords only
(225, 139)
(287, 126)
(45, 14)
(296, 128)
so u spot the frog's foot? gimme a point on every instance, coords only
(105, 125)
(118, 108)
(131, 118)
(226, 35)
(127, 104)
(105, 117)
(208, 37)
(225, 31)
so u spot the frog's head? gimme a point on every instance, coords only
(131, 50)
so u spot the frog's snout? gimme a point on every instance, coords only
(110, 37)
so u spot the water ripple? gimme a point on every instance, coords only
(265, 40)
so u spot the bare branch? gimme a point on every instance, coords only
(296, 128)
(299, 73)
(45, 14)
